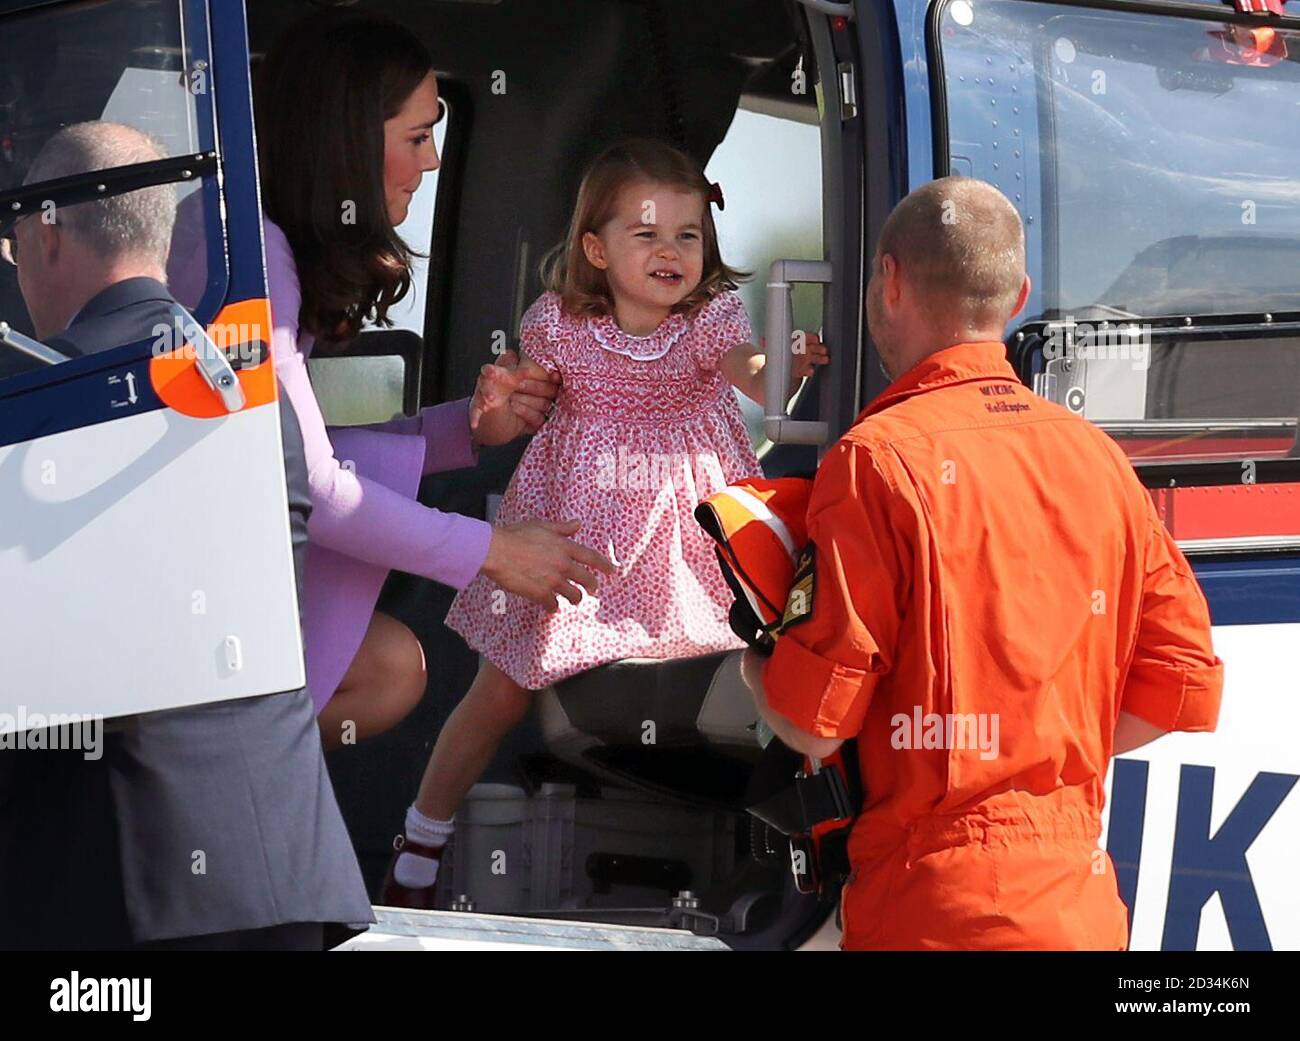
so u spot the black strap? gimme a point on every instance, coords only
(792, 803)
(805, 802)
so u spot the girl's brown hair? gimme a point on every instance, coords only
(326, 89)
(583, 288)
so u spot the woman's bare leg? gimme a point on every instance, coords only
(494, 705)
(384, 682)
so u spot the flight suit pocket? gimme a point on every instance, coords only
(924, 900)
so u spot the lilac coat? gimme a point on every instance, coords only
(365, 519)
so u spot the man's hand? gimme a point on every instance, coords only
(536, 560)
(511, 398)
(793, 737)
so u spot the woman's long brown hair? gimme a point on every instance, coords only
(583, 288)
(327, 87)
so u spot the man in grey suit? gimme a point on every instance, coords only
(101, 854)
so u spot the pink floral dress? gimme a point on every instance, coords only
(644, 428)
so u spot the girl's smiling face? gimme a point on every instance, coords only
(651, 250)
(409, 151)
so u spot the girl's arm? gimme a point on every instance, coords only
(452, 431)
(531, 370)
(742, 367)
(492, 417)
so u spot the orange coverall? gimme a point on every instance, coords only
(990, 587)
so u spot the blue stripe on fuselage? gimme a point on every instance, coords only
(1251, 590)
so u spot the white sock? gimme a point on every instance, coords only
(411, 869)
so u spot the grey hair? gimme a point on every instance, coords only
(136, 224)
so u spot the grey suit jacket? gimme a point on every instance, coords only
(196, 820)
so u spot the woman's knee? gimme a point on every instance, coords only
(396, 660)
(408, 669)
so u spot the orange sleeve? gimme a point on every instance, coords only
(838, 642)
(1174, 680)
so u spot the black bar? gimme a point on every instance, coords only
(103, 184)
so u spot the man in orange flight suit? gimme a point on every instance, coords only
(991, 607)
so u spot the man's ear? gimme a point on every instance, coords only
(1025, 287)
(891, 286)
(594, 250)
(49, 242)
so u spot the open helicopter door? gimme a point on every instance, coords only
(856, 193)
(145, 547)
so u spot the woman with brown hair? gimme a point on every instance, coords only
(347, 105)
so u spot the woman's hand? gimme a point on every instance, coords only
(536, 560)
(511, 398)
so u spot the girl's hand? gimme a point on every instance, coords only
(813, 354)
(511, 398)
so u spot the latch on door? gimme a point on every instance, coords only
(212, 363)
(1064, 377)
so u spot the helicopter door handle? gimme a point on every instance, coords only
(212, 363)
(777, 424)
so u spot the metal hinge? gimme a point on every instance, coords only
(848, 90)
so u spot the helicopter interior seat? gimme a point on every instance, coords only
(683, 727)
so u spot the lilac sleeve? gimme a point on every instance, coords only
(351, 514)
(445, 429)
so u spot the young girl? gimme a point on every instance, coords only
(643, 326)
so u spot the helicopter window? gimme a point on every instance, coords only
(1152, 159)
(144, 64)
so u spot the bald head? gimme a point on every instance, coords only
(949, 268)
(67, 254)
(959, 242)
(136, 224)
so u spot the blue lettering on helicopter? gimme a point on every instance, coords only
(1202, 864)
